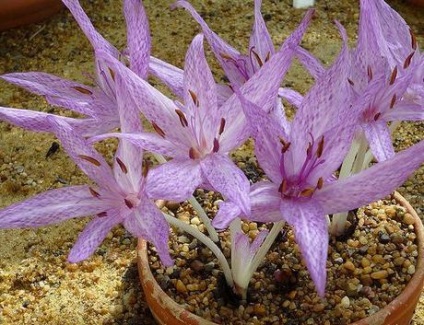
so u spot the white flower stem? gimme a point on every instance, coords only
(198, 208)
(207, 242)
(360, 156)
(205, 219)
(352, 164)
(346, 168)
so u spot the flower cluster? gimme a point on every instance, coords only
(317, 164)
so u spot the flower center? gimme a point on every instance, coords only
(301, 185)
(132, 200)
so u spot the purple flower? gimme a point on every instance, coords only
(238, 67)
(123, 194)
(99, 103)
(244, 259)
(197, 134)
(300, 166)
(387, 75)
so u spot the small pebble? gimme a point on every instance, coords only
(181, 287)
(377, 275)
(411, 269)
(345, 302)
(349, 266)
(408, 219)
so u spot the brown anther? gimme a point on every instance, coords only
(128, 204)
(393, 101)
(83, 90)
(257, 57)
(408, 60)
(369, 72)
(285, 144)
(376, 116)
(350, 82)
(182, 117)
(122, 165)
(283, 186)
(158, 130)
(95, 162)
(146, 167)
(307, 192)
(193, 153)
(320, 183)
(102, 214)
(194, 97)
(309, 150)
(320, 148)
(268, 56)
(285, 147)
(413, 40)
(94, 193)
(221, 126)
(215, 145)
(225, 56)
(393, 76)
(112, 74)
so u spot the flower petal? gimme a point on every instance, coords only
(260, 40)
(226, 178)
(311, 234)
(200, 91)
(406, 111)
(265, 200)
(51, 207)
(61, 92)
(138, 37)
(129, 154)
(170, 75)
(380, 140)
(267, 140)
(371, 184)
(92, 236)
(156, 107)
(147, 141)
(384, 29)
(310, 62)
(227, 212)
(148, 223)
(174, 180)
(33, 120)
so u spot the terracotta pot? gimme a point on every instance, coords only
(399, 312)
(14, 13)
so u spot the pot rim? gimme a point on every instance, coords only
(18, 13)
(401, 303)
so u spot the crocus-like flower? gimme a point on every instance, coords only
(238, 67)
(386, 77)
(243, 261)
(98, 104)
(123, 194)
(302, 189)
(197, 134)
